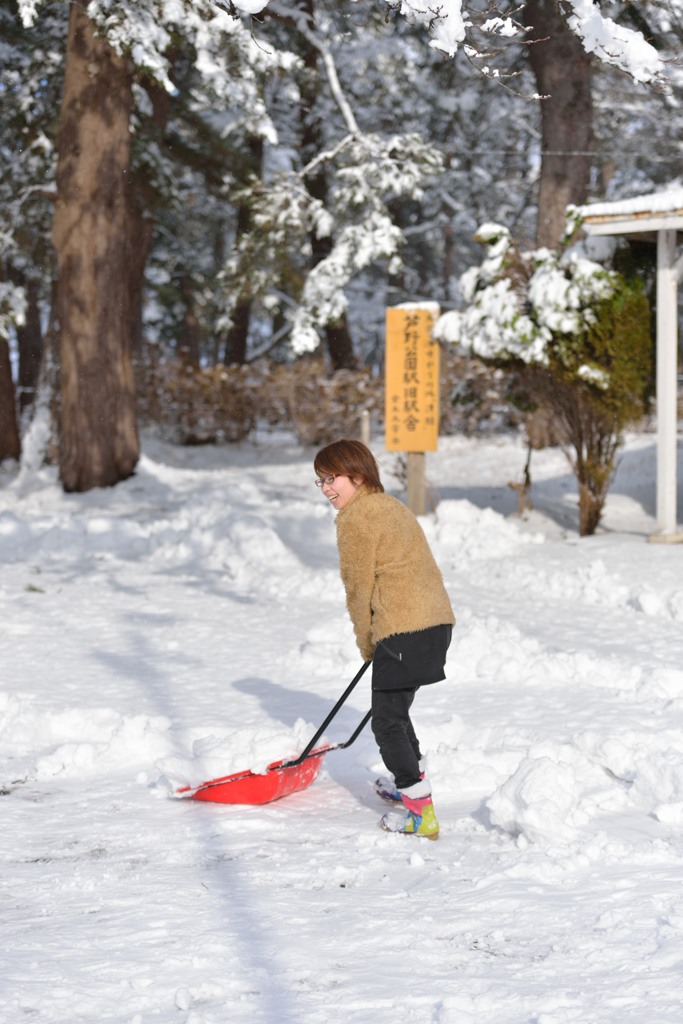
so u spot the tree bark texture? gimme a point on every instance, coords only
(563, 74)
(30, 345)
(10, 445)
(235, 350)
(99, 444)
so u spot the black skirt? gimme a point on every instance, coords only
(407, 660)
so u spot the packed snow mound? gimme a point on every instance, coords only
(558, 789)
(464, 533)
(594, 584)
(213, 757)
(492, 650)
(77, 740)
(15, 537)
(542, 800)
(650, 766)
(662, 604)
(207, 536)
(536, 800)
(74, 741)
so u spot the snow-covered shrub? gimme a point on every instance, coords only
(574, 334)
(366, 174)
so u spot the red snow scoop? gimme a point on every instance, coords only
(281, 777)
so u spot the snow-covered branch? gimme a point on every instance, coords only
(323, 300)
(612, 43)
(303, 26)
(444, 20)
(519, 303)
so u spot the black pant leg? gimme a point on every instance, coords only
(395, 735)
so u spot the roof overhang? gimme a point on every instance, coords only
(658, 218)
(642, 217)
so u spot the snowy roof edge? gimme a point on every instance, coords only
(668, 203)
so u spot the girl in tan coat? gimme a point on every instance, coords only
(401, 615)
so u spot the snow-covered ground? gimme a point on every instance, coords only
(191, 621)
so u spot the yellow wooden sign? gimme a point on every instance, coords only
(412, 381)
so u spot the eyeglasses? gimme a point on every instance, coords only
(325, 481)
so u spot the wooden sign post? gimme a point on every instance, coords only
(412, 392)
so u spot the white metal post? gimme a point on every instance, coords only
(667, 368)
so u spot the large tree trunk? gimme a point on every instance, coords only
(235, 349)
(10, 446)
(563, 74)
(99, 443)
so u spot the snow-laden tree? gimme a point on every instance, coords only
(449, 24)
(637, 146)
(575, 332)
(316, 154)
(30, 87)
(109, 46)
(324, 208)
(492, 142)
(367, 174)
(195, 151)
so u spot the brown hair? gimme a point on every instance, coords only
(349, 458)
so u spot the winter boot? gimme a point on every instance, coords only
(386, 789)
(420, 819)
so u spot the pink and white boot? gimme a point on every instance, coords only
(419, 819)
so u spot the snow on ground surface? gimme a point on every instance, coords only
(191, 621)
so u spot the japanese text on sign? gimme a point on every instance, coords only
(412, 381)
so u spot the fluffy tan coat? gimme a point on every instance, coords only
(392, 583)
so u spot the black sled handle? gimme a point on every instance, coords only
(339, 746)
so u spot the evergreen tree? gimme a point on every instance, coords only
(297, 166)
